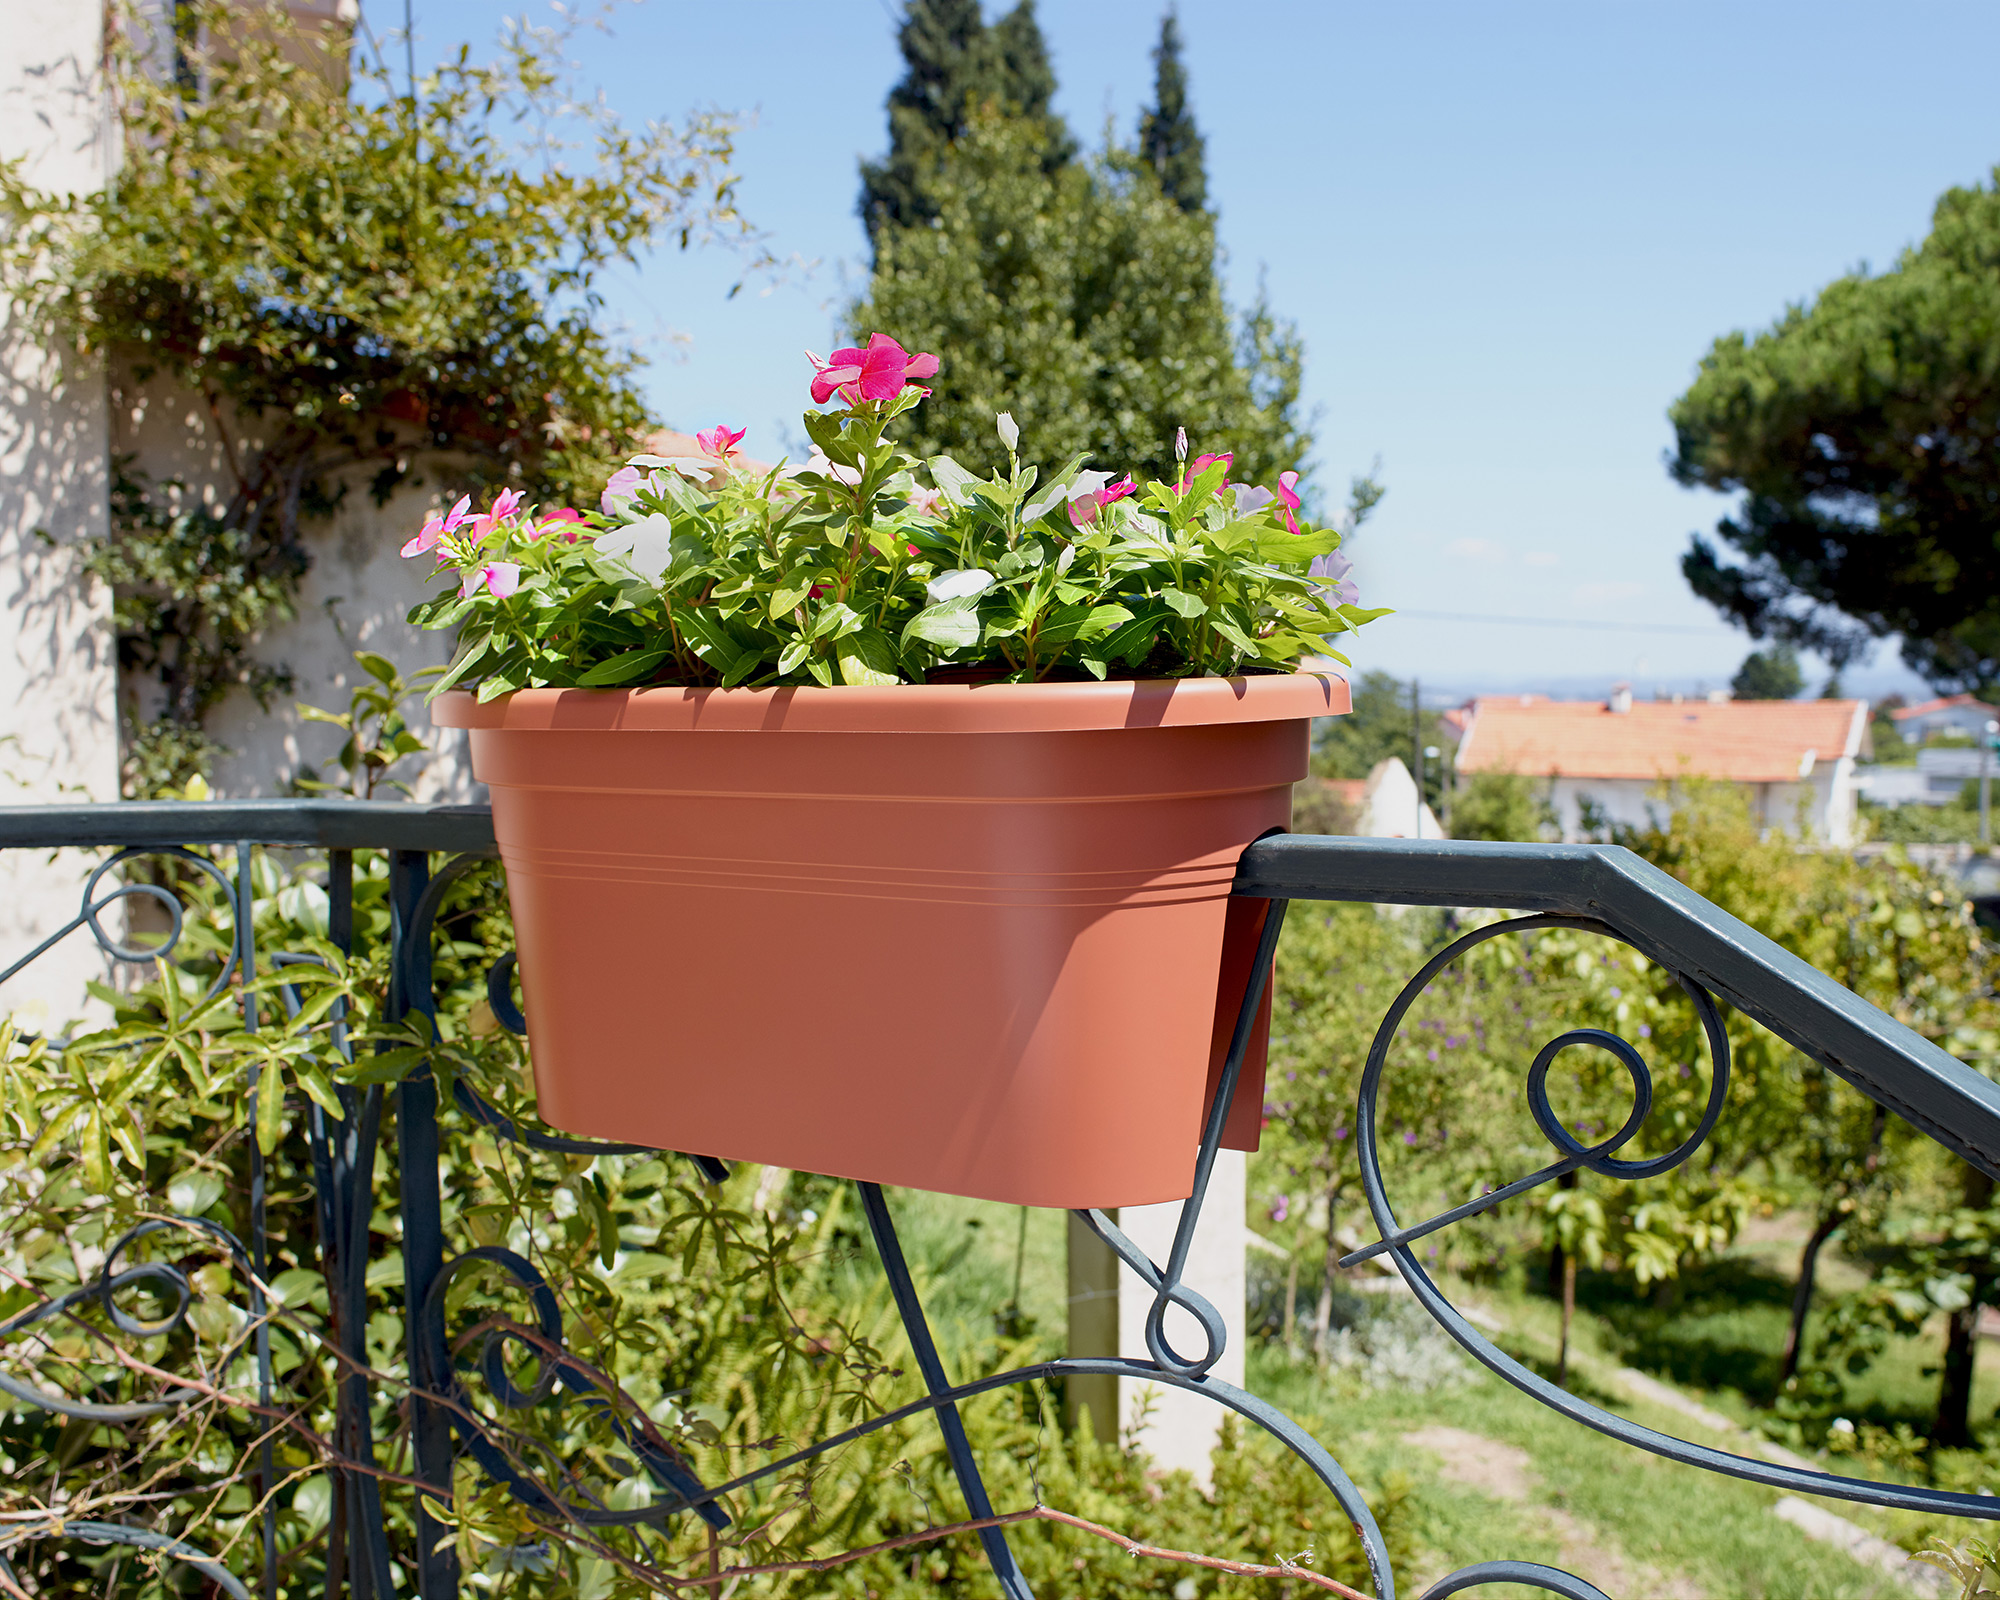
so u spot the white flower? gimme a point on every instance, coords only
(957, 584)
(1249, 500)
(1010, 435)
(646, 545)
(818, 462)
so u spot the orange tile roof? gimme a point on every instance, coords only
(1750, 741)
(1932, 707)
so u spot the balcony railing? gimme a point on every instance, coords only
(1598, 890)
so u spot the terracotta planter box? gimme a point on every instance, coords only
(970, 938)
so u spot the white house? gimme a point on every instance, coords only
(1959, 713)
(1611, 755)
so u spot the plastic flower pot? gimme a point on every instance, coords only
(974, 938)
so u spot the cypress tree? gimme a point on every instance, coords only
(1025, 82)
(953, 62)
(1169, 142)
(944, 47)
(1083, 296)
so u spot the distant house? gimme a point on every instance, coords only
(1612, 754)
(1383, 805)
(1959, 713)
(1938, 778)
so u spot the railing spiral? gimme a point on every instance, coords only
(456, 1382)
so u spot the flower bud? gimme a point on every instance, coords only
(1180, 444)
(1010, 435)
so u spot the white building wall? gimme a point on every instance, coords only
(355, 596)
(58, 712)
(1828, 797)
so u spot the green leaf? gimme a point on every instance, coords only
(1186, 604)
(788, 597)
(192, 1193)
(270, 1107)
(592, 1188)
(378, 667)
(867, 658)
(952, 625)
(470, 654)
(712, 641)
(622, 668)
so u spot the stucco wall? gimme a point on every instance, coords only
(354, 597)
(58, 722)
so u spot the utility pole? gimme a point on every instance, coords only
(1986, 785)
(1417, 756)
(1447, 780)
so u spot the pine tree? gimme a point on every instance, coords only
(953, 62)
(1169, 142)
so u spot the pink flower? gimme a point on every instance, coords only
(505, 505)
(880, 372)
(720, 441)
(926, 502)
(502, 577)
(1084, 508)
(1288, 494)
(567, 519)
(1201, 465)
(621, 487)
(437, 528)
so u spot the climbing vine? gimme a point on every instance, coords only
(362, 284)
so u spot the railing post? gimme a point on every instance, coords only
(423, 1229)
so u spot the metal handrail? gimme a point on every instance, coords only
(1890, 1063)
(280, 824)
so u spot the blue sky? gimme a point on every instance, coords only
(1506, 232)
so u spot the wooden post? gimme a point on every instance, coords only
(1093, 1331)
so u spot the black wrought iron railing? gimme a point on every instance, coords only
(1598, 890)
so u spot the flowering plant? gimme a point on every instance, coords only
(866, 566)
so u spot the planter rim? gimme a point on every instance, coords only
(908, 707)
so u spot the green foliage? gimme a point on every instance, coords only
(1089, 303)
(852, 572)
(352, 287)
(953, 64)
(1503, 805)
(1858, 430)
(1169, 142)
(1771, 674)
(735, 1323)
(1454, 1125)
(1886, 740)
(378, 736)
(1953, 823)
(1381, 724)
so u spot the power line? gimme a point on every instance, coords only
(1562, 622)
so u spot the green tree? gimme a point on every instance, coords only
(357, 288)
(1859, 431)
(1771, 674)
(1502, 805)
(953, 63)
(1169, 142)
(1381, 724)
(1087, 304)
